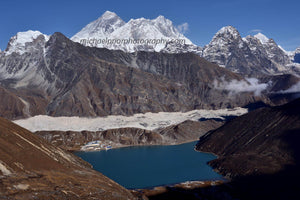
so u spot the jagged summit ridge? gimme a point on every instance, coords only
(228, 31)
(219, 50)
(112, 27)
(252, 55)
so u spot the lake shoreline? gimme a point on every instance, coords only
(187, 186)
(135, 145)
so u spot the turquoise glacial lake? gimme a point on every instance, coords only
(150, 166)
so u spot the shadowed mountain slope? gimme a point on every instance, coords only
(31, 168)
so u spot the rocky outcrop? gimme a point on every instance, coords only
(173, 47)
(260, 142)
(175, 134)
(31, 168)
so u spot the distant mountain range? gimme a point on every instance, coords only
(53, 75)
(252, 55)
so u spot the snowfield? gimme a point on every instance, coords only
(149, 121)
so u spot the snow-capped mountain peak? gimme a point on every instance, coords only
(225, 36)
(108, 14)
(162, 19)
(262, 38)
(228, 30)
(220, 50)
(18, 42)
(100, 28)
(141, 31)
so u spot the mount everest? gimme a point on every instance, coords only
(111, 26)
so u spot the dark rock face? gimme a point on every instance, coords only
(256, 143)
(277, 85)
(31, 168)
(68, 79)
(297, 58)
(280, 82)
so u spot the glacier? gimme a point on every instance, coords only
(148, 121)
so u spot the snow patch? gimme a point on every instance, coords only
(4, 169)
(21, 186)
(262, 38)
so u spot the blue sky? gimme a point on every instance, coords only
(276, 19)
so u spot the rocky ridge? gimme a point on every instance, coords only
(31, 168)
(260, 142)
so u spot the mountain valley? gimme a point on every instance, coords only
(237, 96)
